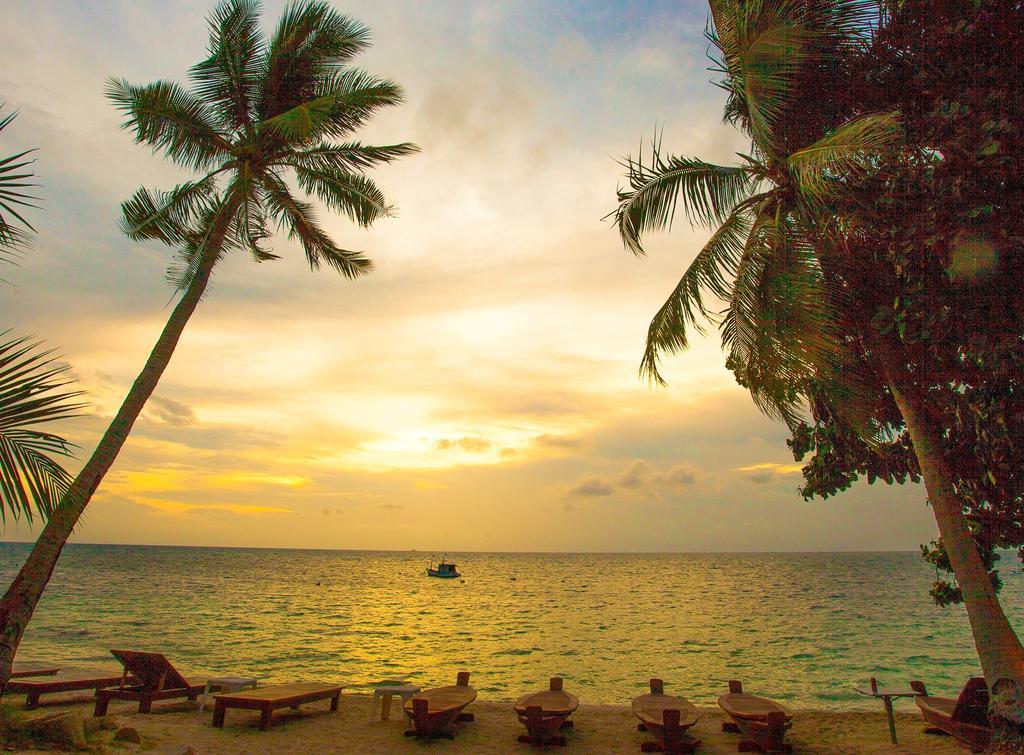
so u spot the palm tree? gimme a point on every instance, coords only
(258, 110)
(33, 384)
(785, 266)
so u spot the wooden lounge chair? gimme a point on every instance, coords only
(666, 717)
(156, 679)
(546, 714)
(965, 718)
(70, 681)
(268, 699)
(762, 722)
(433, 712)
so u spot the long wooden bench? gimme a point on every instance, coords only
(68, 681)
(268, 699)
(20, 669)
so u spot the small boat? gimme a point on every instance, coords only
(444, 570)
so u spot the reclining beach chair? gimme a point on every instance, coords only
(157, 680)
(34, 687)
(965, 718)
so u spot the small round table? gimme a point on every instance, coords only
(226, 684)
(886, 696)
(385, 692)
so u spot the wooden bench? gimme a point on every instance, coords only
(20, 669)
(70, 681)
(268, 699)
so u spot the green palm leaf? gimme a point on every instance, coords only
(712, 269)
(351, 156)
(167, 216)
(228, 81)
(33, 392)
(298, 218)
(353, 194)
(173, 120)
(341, 103)
(312, 41)
(845, 153)
(708, 193)
(14, 197)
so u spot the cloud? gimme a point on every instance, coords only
(590, 488)
(636, 476)
(678, 477)
(761, 474)
(472, 444)
(170, 411)
(547, 440)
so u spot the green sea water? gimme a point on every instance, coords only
(802, 627)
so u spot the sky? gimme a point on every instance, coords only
(479, 390)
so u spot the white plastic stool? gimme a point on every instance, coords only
(226, 684)
(386, 693)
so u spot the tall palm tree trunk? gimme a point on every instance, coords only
(19, 602)
(999, 649)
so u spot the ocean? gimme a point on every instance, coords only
(802, 627)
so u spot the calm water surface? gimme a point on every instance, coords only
(802, 626)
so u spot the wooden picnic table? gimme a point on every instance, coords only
(546, 713)
(432, 712)
(668, 717)
(20, 669)
(762, 721)
(65, 681)
(268, 699)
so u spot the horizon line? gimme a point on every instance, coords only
(456, 551)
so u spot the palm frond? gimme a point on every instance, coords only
(712, 270)
(351, 156)
(33, 392)
(312, 42)
(169, 118)
(201, 234)
(14, 194)
(774, 43)
(353, 194)
(228, 81)
(298, 218)
(167, 216)
(708, 192)
(845, 153)
(778, 327)
(340, 104)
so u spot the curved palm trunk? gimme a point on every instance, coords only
(999, 649)
(19, 602)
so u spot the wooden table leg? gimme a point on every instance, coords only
(32, 701)
(334, 701)
(265, 716)
(102, 701)
(887, 702)
(385, 707)
(219, 707)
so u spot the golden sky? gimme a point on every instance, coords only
(480, 388)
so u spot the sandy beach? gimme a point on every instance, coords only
(174, 727)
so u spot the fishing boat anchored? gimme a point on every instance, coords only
(444, 570)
